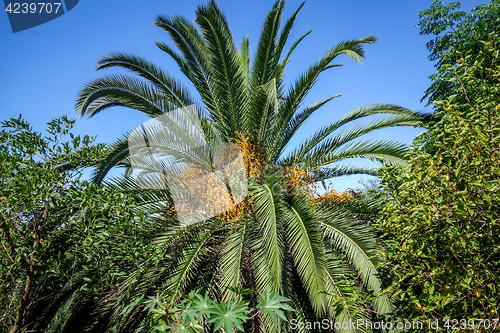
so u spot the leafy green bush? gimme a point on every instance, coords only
(36, 173)
(63, 242)
(442, 222)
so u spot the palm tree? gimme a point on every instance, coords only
(281, 238)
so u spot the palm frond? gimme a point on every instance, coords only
(122, 90)
(402, 117)
(339, 171)
(386, 152)
(117, 153)
(296, 122)
(172, 88)
(357, 242)
(186, 261)
(286, 59)
(285, 33)
(338, 269)
(226, 70)
(303, 236)
(266, 208)
(195, 64)
(296, 94)
(245, 58)
(231, 261)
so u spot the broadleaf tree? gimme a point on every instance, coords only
(36, 174)
(442, 219)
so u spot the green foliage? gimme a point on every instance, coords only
(278, 240)
(442, 221)
(271, 304)
(456, 33)
(103, 239)
(37, 173)
(63, 241)
(284, 243)
(228, 315)
(194, 312)
(235, 97)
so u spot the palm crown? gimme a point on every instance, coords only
(281, 238)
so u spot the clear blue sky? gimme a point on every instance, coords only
(42, 69)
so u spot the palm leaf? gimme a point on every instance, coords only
(357, 243)
(122, 90)
(171, 88)
(302, 86)
(304, 238)
(403, 116)
(231, 260)
(266, 208)
(226, 70)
